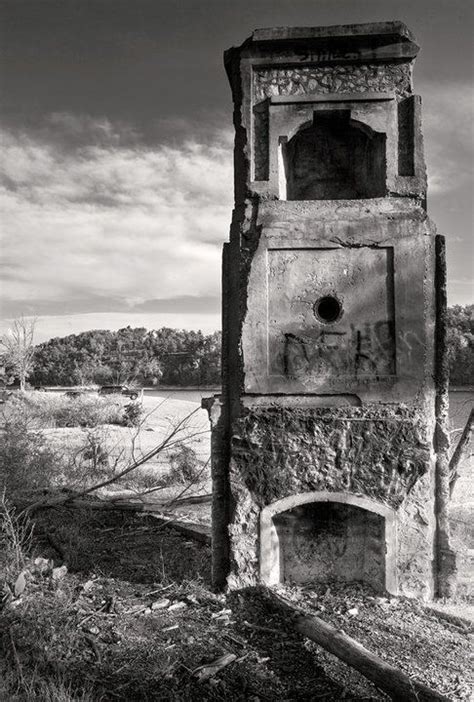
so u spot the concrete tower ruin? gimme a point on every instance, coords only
(329, 451)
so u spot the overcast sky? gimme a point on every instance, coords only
(117, 137)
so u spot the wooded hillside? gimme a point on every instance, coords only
(182, 358)
(461, 344)
(165, 356)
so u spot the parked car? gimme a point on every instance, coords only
(77, 392)
(132, 393)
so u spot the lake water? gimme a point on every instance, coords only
(186, 394)
(460, 404)
(460, 401)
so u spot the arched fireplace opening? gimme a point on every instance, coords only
(327, 537)
(335, 158)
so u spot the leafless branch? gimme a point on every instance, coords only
(460, 451)
(166, 443)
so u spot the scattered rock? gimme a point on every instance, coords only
(160, 604)
(20, 584)
(43, 565)
(59, 573)
(171, 628)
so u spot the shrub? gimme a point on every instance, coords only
(26, 462)
(59, 411)
(87, 412)
(185, 465)
(133, 414)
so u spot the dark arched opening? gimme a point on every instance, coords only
(335, 159)
(331, 541)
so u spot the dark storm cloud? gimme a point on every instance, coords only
(145, 60)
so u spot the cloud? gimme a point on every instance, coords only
(102, 223)
(448, 128)
(182, 304)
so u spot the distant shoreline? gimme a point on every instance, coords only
(155, 388)
(196, 388)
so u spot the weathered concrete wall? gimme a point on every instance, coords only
(375, 451)
(376, 257)
(329, 318)
(378, 452)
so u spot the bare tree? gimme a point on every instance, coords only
(17, 348)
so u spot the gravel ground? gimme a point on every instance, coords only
(403, 632)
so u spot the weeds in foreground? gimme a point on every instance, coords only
(71, 638)
(15, 540)
(30, 686)
(28, 633)
(26, 461)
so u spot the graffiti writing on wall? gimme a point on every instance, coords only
(363, 352)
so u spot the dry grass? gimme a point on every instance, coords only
(58, 410)
(37, 454)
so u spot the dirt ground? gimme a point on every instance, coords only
(134, 617)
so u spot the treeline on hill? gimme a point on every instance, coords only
(461, 344)
(178, 357)
(164, 356)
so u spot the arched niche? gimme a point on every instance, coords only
(323, 536)
(334, 158)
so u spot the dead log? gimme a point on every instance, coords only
(192, 530)
(192, 500)
(386, 677)
(59, 501)
(459, 452)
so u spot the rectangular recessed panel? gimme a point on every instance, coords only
(330, 315)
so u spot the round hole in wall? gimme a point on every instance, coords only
(327, 309)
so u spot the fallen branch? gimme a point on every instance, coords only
(386, 677)
(198, 532)
(192, 500)
(459, 452)
(64, 498)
